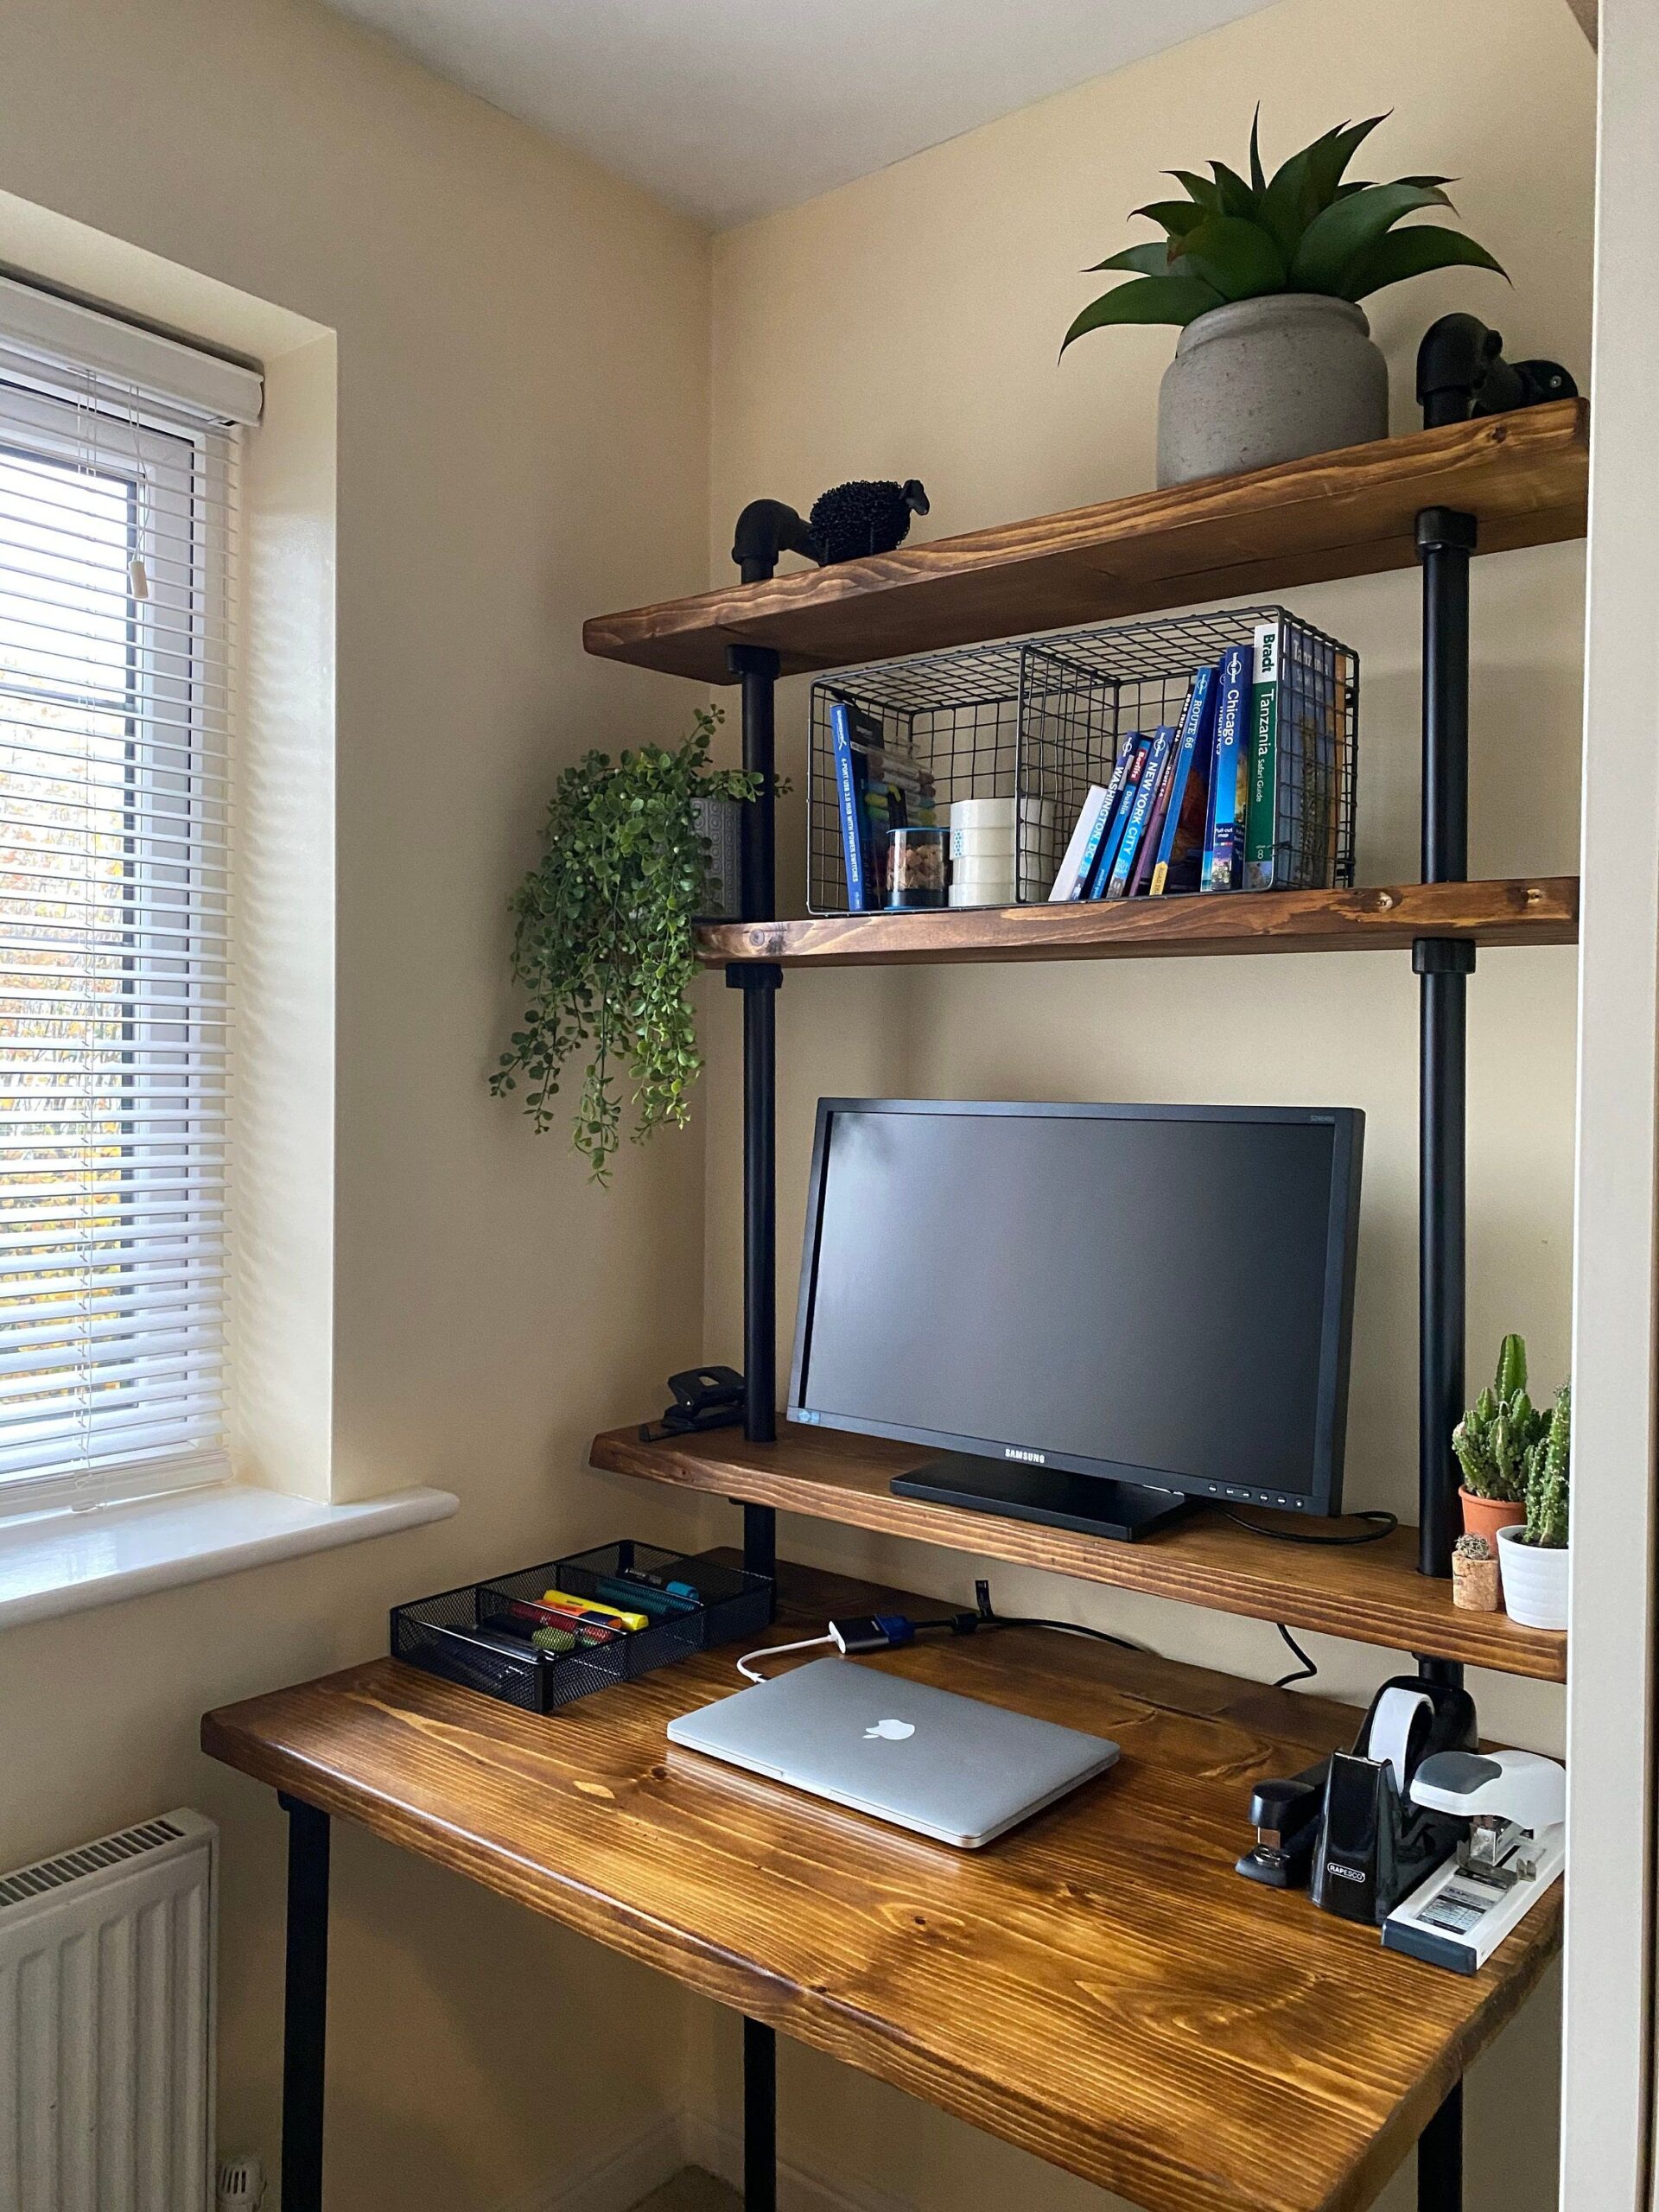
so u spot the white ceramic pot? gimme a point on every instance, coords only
(1261, 381)
(1535, 1581)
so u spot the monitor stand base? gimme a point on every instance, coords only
(1094, 1505)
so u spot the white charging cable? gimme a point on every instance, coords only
(777, 1651)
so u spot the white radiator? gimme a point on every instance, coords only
(106, 2024)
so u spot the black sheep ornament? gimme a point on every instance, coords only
(854, 519)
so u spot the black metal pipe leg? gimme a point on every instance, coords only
(305, 2005)
(756, 667)
(760, 2118)
(1440, 2159)
(1445, 539)
(1442, 968)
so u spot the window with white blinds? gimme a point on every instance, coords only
(116, 517)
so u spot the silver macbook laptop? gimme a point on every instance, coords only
(950, 1767)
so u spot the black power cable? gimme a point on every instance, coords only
(1306, 1672)
(1384, 1524)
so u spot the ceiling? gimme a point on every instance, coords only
(730, 108)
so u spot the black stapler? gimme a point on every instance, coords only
(1347, 1826)
(704, 1397)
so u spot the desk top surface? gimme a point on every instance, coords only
(1098, 1986)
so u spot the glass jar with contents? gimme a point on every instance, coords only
(918, 868)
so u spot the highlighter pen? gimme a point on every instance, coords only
(667, 1605)
(590, 1627)
(590, 1606)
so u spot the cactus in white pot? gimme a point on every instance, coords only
(1535, 1556)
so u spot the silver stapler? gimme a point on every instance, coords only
(1514, 1806)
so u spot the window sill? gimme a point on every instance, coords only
(53, 1563)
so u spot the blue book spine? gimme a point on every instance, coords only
(1198, 730)
(1098, 835)
(1132, 761)
(851, 801)
(1223, 848)
(1123, 867)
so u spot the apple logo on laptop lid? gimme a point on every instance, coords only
(890, 1732)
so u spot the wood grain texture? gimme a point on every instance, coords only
(1371, 1594)
(1352, 514)
(1099, 1986)
(1542, 910)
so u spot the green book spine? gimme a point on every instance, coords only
(1262, 825)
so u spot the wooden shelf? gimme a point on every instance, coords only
(1371, 1593)
(1098, 1986)
(1522, 910)
(1524, 476)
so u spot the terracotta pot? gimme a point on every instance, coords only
(1484, 1517)
(1535, 1581)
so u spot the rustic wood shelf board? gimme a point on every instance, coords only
(1098, 1986)
(1524, 910)
(1352, 514)
(1371, 1593)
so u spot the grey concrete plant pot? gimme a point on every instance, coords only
(1261, 381)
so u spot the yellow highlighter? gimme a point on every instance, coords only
(593, 1606)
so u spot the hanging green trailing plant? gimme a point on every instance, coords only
(1302, 230)
(604, 945)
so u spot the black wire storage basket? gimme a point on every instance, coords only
(1036, 721)
(480, 1635)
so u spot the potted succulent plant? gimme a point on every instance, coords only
(604, 946)
(1474, 1575)
(1263, 278)
(1535, 1558)
(1491, 1443)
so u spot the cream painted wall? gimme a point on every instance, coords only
(908, 325)
(522, 411)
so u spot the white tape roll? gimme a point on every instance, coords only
(998, 813)
(993, 867)
(972, 894)
(980, 844)
(1390, 1735)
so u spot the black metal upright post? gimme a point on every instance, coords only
(1439, 2157)
(756, 666)
(1445, 539)
(305, 2005)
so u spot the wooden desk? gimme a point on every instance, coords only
(1099, 1986)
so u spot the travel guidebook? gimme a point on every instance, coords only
(879, 788)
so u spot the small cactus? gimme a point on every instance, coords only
(1549, 1478)
(1476, 1548)
(1494, 1439)
(1511, 1367)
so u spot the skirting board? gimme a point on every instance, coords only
(719, 2150)
(617, 2181)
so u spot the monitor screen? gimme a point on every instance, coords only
(1156, 1294)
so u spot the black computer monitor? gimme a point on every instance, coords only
(1099, 1312)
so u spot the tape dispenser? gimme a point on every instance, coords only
(1348, 1827)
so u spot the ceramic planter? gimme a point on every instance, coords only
(720, 821)
(1535, 1581)
(1484, 1517)
(1260, 381)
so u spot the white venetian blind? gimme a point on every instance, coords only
(116, 536)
